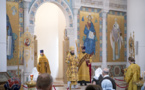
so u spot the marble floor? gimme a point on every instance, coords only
(59, 85)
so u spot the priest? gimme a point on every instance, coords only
(132, 74)
(43, 64)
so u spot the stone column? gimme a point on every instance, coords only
(104, 41)
(104, 35)
(70, 35)
(76, 6)
(26, 14)
(75, 27)
(27, 68)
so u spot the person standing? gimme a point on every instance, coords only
(72, 71)
(107, 82)
(132, 74)
(84, 62)
(43, 64)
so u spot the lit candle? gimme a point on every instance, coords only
(31, 76)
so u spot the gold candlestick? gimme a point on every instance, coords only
(31, 83)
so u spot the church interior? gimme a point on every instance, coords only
(107, 31)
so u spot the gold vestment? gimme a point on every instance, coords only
(132, 75)
(72, 72)
(83, 73)
(43, 65)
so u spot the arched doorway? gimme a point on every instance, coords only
(65, 9)
(63, 6)
(49, 28)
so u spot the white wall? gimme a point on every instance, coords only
(49, 27)
(61, 28)
(136, 23)
(3, 59)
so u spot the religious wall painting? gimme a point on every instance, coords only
(89, 37)
(89, 33)
(116, 38)
(14, 10)
(131, 46)
(14, 31)
(10, 40)
(27, 41)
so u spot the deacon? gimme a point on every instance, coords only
(83, 66)
(43, 64)
(72, 72)
(132, 74)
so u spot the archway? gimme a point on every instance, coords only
(49, 29)
(61, 4)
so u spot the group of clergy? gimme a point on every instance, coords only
(79, 68)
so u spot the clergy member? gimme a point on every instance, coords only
(84, 62)
(72, 72)
(132, 74)
(43, 64)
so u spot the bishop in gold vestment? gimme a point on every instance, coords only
(84, 61)
(43, 64)
(132, 75)
(72, 62)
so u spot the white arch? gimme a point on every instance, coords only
(62, 4)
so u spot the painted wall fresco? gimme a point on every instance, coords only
(90, 32)
(14, 32)
(116, 37)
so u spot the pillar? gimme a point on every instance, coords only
(104, 41)
(104, 35)
(75, 27)
(76, 6)
(30, 65)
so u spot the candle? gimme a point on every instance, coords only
(31, 76)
